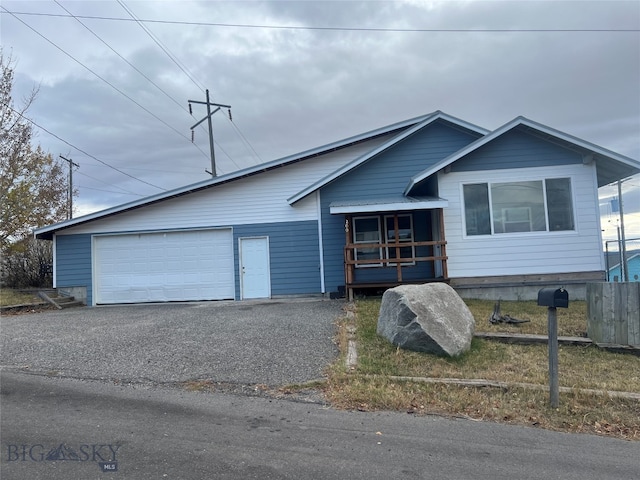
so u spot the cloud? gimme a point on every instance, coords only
(296, 89)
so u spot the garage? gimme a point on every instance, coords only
(164, 266)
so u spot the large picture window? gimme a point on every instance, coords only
(513, 207)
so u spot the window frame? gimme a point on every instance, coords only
(354, 222)
(411, 239)
(547, 229)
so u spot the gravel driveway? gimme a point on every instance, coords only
(268, 342)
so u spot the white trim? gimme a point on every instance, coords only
(320, 243)
(241, 278)
(356, 242)
(386, 238)
(94, 271)
(54, 263)
(390, 207)
(257, 169)
(603, 261)
(543, 179)
(509, 126)
(438, 115)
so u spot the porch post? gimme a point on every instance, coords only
(397, 247)
(348, 254)
(443, 247)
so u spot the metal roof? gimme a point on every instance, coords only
(437, 115)
(399, 203)
(610, 166)
(47, 232)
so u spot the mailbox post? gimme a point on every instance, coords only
(553, 298)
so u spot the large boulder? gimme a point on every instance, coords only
(426, 318)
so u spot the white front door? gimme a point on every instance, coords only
(255, 278)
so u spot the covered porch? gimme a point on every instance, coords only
(393, 243)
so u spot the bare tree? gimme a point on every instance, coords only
(33, 188)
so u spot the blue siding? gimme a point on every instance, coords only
(386, 175)
(633, 263)
(294, 255)
(516, 149)
(293, 249)
(73, 262)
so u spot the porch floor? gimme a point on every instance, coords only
(370, 286)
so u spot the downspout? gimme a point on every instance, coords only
(320, 243)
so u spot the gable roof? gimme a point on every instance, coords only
(437, 115)
(635, 258)
(610, 166)
(47, 232)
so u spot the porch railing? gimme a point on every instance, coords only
(397, 262)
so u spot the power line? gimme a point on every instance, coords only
(169, 54)
(124, 190)
(121, 57)
(127, 62)
(173, 58)
(108, 191)
(345, 29)
(80, 150)
(246, 142)
(178, 63)
(185, 70)
(103, 79)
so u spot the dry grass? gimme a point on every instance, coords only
(370, 386)
(10, 297)
(571, 321)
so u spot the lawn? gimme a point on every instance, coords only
(10, 296)
(370, 386)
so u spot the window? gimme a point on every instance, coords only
(510, 207)
(382, 230)
(367, 230)
(559, 202)
(405, 234)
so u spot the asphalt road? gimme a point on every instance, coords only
(162, 433)
(272, 342)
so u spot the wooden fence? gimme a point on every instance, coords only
(613, 313)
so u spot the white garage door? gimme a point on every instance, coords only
(164, 267)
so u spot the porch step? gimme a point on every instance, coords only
(59, 301)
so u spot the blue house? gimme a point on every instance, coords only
(497, 214)
(633, 265)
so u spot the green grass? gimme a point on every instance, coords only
(369, 386)
(9, 297)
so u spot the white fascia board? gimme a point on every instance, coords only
(461, 123)
(505, 128)
(355, 163)
(437, 115)
(225, 178)
(459, 154)
(389, 207)
(128, 206)
(580, 142)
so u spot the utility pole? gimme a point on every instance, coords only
(71, 165)
(624, 272)
(208, 118)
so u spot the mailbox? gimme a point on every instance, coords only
(553, 297)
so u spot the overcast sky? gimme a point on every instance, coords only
(303, 74)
